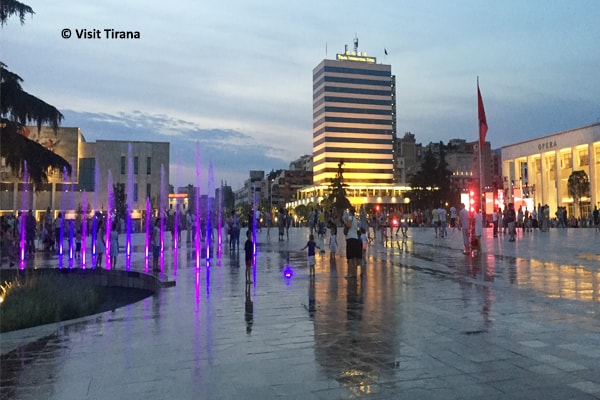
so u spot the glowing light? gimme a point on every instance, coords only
(288, 272)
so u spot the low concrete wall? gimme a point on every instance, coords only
(100, 277)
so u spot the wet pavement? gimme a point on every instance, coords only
(520, 320)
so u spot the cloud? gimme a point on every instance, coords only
(232, 153)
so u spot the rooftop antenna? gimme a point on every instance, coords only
(355, 42)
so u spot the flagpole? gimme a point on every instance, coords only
(480, 155)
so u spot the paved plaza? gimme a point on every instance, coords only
(518, 321)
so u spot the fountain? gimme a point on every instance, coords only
(84, 220)
(148, 231)
(23, 216)
(161, 215)
(197, 207)
(209, 213)
(95, 210)
(128, 209)
(109, 217)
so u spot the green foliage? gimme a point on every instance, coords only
(302, 212)
(337, 191)
(43, 299)
(17, 108)
(578, 185)
(120, 197)
(431, 184)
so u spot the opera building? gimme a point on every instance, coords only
(537, 171)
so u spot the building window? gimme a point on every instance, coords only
(122, 165)
(87, 179)
(566, 161)
(135, 192)
(135, 165)
(583, 158)
(148, 187)
(148, 165)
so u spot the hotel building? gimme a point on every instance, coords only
(354, 122)
(537, 171)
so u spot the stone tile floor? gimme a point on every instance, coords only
(519, 321)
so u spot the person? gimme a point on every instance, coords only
(435, 218)
(495, 221)
(58, 226)
(114, 244)
(311, 245)
(100, 244)
(596, 218)
(30, 231)
(281, 224)
(453, 217)
(155, 241)
(478, 228)
(249, 253)
(332, 239)
(364, 244)
(188, 225)
(442, 216)
(353, 244)
(465, 223)
(511, 218)
(269, 221)
(234, 238)
(78, 237)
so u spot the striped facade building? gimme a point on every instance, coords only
(353, 121)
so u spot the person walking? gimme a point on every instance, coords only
(443, 224)
(311, 245)
(596, 218)
(249, 253)
(114, 245)
(353, 244)
(155, 241)
(100, 243)
(463, 215)
(453, 217)
(495, 222)
(332, 240)
(511, 219)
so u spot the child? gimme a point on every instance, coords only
(249, 250)
(363, 239)
(311, 245)
(332, 240)
(78, 243)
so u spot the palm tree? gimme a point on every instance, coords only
(18, 108)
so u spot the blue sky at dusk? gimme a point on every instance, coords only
(236, 76)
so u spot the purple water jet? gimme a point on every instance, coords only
(128, 208)
(109, 217)
(197, 207)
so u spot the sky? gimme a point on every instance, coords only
(232, 79)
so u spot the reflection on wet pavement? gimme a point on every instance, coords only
(423, 321)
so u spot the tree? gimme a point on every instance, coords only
(120, 200)
(578, 186)
(431, 184)
(17, 108)
(337, 195)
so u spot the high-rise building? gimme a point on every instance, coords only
(353, 120)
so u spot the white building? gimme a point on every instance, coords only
(536, 171)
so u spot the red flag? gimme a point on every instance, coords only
(483, 127)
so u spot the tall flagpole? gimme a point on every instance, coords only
(480, 154)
